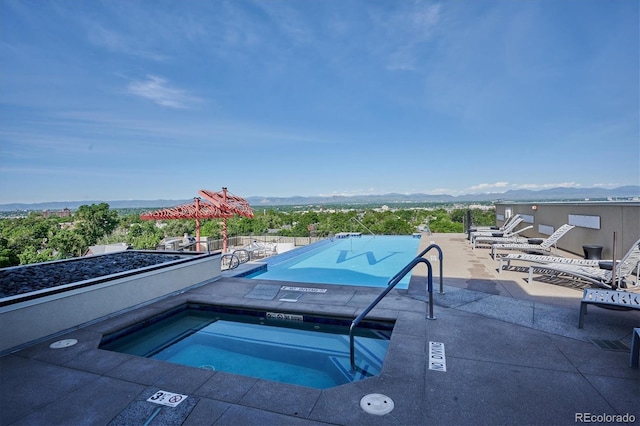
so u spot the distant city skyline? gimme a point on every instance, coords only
(145, 100)
(621, 194)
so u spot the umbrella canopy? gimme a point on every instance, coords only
(228, 203)
(217, 205)
(197, 210)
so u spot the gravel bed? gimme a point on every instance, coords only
(25, 279)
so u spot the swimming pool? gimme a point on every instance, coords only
(301, 349)
(358, 261)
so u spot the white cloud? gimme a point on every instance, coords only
(157, 89)
(404, 34)
(608, 185)
(353, 192)
(443, 191)
(490, 186)
(505, 186)
(539, 186)
(116, 42)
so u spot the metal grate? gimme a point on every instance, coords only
(611, 345)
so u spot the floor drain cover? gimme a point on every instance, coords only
(376, 403)
(63, 343)
(611, 345)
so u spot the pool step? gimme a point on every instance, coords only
(343, 365)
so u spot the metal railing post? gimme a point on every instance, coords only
(440, 257)
(430, 289)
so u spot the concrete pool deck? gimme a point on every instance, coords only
(514, 355)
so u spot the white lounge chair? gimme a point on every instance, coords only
(513, 237)
(505, 261)
(544, 247)
(595, 275)
(496, 228)
(505, 230)
(506, 224)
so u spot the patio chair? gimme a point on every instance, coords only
(596, 275)
(544, 246)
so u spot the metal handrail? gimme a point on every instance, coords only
(243, 255)
(231, 257)
(392, 283)
(423, 252)
(363, 225)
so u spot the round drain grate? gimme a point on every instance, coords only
(376, 403)
(63, 343)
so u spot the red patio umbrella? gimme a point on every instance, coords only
(217, 205)
(197, 210)
(227, 203)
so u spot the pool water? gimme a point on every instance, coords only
(358, 261)
(292, 348)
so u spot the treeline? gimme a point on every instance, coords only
(38, 239)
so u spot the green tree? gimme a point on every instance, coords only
(30, 234)
(479, 217)
(8, 257)
(443, 223)
(332, 223)
(145, 242)
(239, 225)
(68, 243)
(94, 222)
(179, 227)
(211, 228)
(31, 255)
(31, 231)
(483, 217)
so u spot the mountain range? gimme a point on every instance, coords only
(553, 194)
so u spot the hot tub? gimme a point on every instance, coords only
(301, 349)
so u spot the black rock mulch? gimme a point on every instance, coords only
(20, 280)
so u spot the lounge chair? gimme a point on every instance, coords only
(595, 274)
(506, 224)
(544, 246)
(505, 230)
(505, 261)
(513, 237)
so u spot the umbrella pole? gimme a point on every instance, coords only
(197, 234)
(197, 200)
(224, 222)
(614, 285)
(224, 235)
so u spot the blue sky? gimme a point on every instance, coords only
(153, 99)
